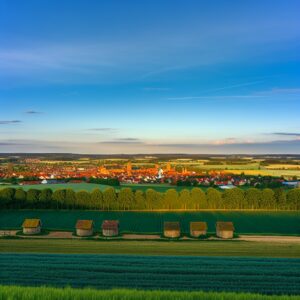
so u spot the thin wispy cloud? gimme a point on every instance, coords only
(232, 145)
(102, 129)
(287, 91)
(128, 139)
(268, 94)
(33, 112)
(123, 147)
(123, 141)
(282, 91)
(10, 122)
(216, 97)
(152, 52)
(229, 87)
(286, 133)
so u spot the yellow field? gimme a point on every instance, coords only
(283, 167)
(265, 172)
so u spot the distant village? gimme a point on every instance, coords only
(34, 171)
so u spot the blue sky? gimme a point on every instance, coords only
(150, 76)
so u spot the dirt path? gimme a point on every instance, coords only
(53, 235)
(140, 237)
(270, 238)
(69, 235)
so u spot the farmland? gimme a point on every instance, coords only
(246, 222)
(74, 186)
(91, 186)
(48, 293)
(146, 247)
(255, 275)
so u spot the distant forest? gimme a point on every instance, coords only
(127, 199)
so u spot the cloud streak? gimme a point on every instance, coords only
(102, 129)
(10, 122)
(286, 133)
(33, 112)
(123, 141)
(124, 147)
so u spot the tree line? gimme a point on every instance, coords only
(127, 199)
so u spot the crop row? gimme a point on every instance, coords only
(146, 272)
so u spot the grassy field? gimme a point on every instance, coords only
(191, 248)
(268, 172)
(74, 186)
(158, 187)
(48, 293)
(91, 186)
(245, 222)
(254, 169)
(181, 273)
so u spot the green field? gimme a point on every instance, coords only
(74, 186)
(245, 222)
(180, 273)
(91, 186)
(191, 248)
(47, 293)
(158, 187)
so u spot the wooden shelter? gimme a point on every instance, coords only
(198, 229)
(32, 226)
(110, 228)
(225, 230)
(85, 227)
(172, 229)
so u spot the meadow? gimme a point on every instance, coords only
(91, 186)
(74, 186)
(245, 222)
(48, 293)
(253, 275)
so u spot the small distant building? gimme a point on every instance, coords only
(110, 228)
(225, 230)
(172, 229)
(32, 226)
(198, 229)
(226, 187)
(85, 227)
(292, 184)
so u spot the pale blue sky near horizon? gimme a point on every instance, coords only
(150, 77)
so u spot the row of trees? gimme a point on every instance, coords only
(127, 199)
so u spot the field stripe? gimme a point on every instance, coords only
(150, 272)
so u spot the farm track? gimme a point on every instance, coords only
(255, 275)
(154, 237)
(149, 247)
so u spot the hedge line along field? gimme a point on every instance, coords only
(245, 222)
(181, 273)
(48, 293)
